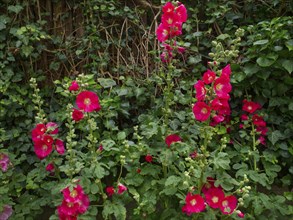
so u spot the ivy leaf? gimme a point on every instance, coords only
(27, 50)
(106, 83)
(288, 65)
(289, 44)
(15, 8)
(266, 61)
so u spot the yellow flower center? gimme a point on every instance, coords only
(193, 202)
(219, 86)
(215, 199)
(69, 204)
(73, 194)
(165, 32)
(204, 111)
(170, 21)
(225, 203)
(249, 107)
(87, 101)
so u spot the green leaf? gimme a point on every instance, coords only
(172, 180)
(27, 50)
(261, 42)
(15, 8)
(289, 44)
(288, 65)
(222, 161)
(99, 171)
(267, 60)
(106, 83)
(275, 136)
(121, 135)
(250, 69)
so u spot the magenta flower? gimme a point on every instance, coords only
(258, 121)
(226, 71)
(77, 115)
(181, 13)
(74, 86)
(200, 90)
(172, 138)
(88, 101)
(148, 158)
(110, 190)
(168, 8)
(42, 149)
(209, 77)
(201, 111)
(4, 162)
(228, 205)
(250, 106)
(214, 197)
(162, 32)
(73, 196)
(6, 212)
(121, 188)
(194, 204)
(222, 87)
(59, 145)
(52, 128)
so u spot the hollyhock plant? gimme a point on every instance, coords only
(73, 196)
(250, 106)
(208, 77)
(77, 115)
(42, 149)
(162, 32)
(172, 138)
(201, 111)
(88, 101)
(222, 87)
(193, 204)
(121, 188)
(200, 90)
(74, 86)
(6, 212)
(258, 121)
(52, 128)
(214, 197)
(59, 145)
(110, 190)
(50, 167)
(148, 158)
(4, 162)
(228, 205)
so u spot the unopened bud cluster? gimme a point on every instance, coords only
(38, 102)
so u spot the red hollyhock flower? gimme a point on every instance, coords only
(258, 121)
(169, 19)
(262, 130)
(214, 197)
(148, 158)
(68, 209)
(250, 106)
(121, 188)
(228, 205)
(218, 119)
(181, 13)
(162, 32)
(201, 111)
(181, 50)
(38, 131)
(42, 149)
(194, 204)
(168, 7)
(73, 196)
(74, 86)
(166, 56)
(110, 190)
(240, 214)
(52, 128)
(47, 139)
(226, 71)
(4, 162)
(222, 87)
(83, 204)
(88, 101)
(209, 77)
(50, 167)
(59, 144)
(244, 117)
(262, 140)
(176, 30)
(200, 90)
(209, 184)
(172, 138)
(77, 115)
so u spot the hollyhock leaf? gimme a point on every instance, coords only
(261, 42)
(117, 209)
(99, 171)
(275, 136)
(172, 180)
(107, 82)
(222, 160)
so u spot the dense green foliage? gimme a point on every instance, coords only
(110, 46)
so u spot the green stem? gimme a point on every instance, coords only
(253, 147)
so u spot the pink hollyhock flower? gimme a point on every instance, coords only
(148, 158)
(194, 204)
(77, 115)
(201, 111)
(181, 50)
(262, 140)
(50, 167)
(226, 71)
(181, 13)
(6, 212)
(166, 56)
(169, 19)
(176, 30)
(209, 77)
(68, 209)
(218, 119)
(100, 148)
(42, 149)
(241, 126)
(74, 86)
(250, 106)
(244, 117)
(48, 139)
(38, 131)
(83, 204)
(172, 138)
(214, 197)
(4, 162)
(59, 145)
(258, 121)
(121, 188)
(222, 87)
(240, 214)
(88, 101)
(167, 47)
(52, 128)
(110, 190)
(168, 7)
(162, 32)
(200, 90)
(73, 196)
(262, 130)
(228, 205)
(209, 185)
